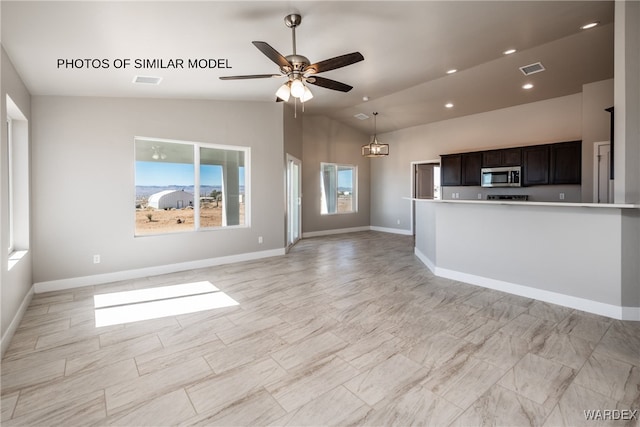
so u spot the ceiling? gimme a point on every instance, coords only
(408, 47)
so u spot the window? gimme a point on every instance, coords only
(16, 173)
(10, 182)
(338, 188)
(187, 186)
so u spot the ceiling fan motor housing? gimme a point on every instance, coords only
(292, 20)
(298, 61)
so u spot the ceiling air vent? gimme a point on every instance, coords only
(361, 116)
(532, 68)
(147, 80)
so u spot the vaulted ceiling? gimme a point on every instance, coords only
(408, 49)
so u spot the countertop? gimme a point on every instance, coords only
(528, 203)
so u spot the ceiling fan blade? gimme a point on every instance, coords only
(329, 84)
(273, 54)
(251, 76)
(333, 63)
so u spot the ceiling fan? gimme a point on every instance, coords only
(299, 70)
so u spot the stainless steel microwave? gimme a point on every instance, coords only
(501, 177)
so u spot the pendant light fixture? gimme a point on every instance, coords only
(374, 148)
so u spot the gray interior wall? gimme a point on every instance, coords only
(554, 120)
(596, 124)
(630, 256)
(326, 140)
(627, 102)
(426, 230)
(16, 283)
(627, 142)
(520, 245)
(83, 181)
(292, 132)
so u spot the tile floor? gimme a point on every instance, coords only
(345, 330)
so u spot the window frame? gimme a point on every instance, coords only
(196, 146)
(354, 182)
(10, 184)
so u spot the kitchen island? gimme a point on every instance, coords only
(580, 255)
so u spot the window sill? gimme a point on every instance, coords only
(15, 257)
(339, 213)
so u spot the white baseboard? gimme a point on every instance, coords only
(425, 260)
(631, 313)
(335, 231)
(391, 230)
(100, 279)
(590, 306)
(355, 230)
(13, 326)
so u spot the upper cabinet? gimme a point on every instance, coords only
(460, 169)
(559, 163)
(566, 163)
(471, 165)
(535, 165)
(451, 170)
(499, 158)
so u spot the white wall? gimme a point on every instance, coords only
(83, 181)
(554, 120)
(15, 284)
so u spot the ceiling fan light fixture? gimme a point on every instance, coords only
(297, 88)
(307, 95)
(284, 92)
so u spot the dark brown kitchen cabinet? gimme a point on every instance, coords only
(451, 170)
(500, 158)
(566, 163)
(471, 165)
(535, 165)
(512, 157)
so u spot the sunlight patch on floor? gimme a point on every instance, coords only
(152, 303)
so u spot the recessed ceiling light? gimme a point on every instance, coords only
(453, 70)
(448, 105)
(147, 80)
(527, 86)
(365, 98)
(589, 25)
(509, 51)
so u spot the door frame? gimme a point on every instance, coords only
(412, 189)
(289, 159)
(596, 182)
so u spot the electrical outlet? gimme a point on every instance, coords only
(561, 196)
(398, 222)
(96, 259)
(260, 239)
(479, 196)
